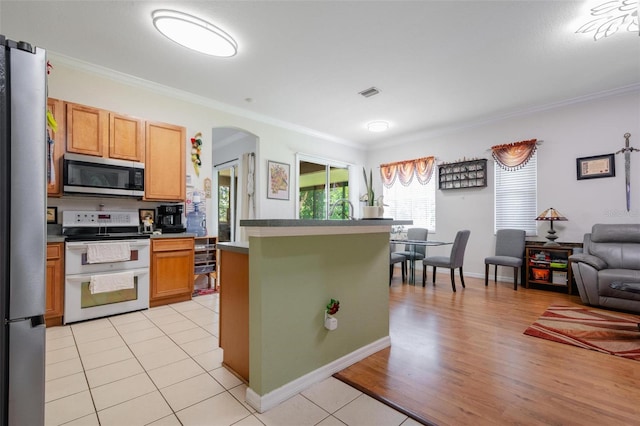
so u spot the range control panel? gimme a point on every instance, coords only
(99, 218)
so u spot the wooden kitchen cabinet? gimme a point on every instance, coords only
(56, 151)
(126, 137)
(165, 168)
(87, 129)
(54, 298)
(171, 270)
(102, 133)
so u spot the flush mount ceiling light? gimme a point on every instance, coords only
(194, 33)
(378, 126)
(607, 18)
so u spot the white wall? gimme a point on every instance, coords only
(578, 130)
(581, 129)
(284, 151)
(85, 84)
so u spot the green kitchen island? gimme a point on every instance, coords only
(273, 295)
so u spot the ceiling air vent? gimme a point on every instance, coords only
(367, 93)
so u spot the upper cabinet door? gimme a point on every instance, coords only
(87, 129)
(126, 137)
(56, 148)
(165, 167)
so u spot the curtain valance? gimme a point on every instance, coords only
(513, 156)
(422, 168)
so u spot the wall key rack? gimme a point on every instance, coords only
(463, 174)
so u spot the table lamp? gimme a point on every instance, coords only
(551, 215)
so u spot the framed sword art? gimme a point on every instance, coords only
(597, 166)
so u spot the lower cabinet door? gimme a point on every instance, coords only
(54, 298)
(171, 270)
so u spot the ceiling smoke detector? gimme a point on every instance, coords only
(367, 93)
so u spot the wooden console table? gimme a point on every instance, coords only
(549, 265)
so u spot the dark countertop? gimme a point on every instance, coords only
(238, 247)
(176, 235)
(318, 223)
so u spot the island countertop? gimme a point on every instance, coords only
(292, 227)
(238, 247)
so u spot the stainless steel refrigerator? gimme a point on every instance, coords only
(23, 142)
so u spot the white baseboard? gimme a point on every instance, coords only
(277, 396)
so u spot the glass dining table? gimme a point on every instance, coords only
(413, 244)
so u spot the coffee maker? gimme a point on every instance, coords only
(170, 218)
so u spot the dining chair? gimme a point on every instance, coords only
(509, 252)
(453, 261)
(393, 259)
(416, 252)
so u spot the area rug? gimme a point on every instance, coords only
(603, 331)
(203, 291)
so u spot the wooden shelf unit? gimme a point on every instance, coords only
(204, 261)
(463, 174)
(549, 266)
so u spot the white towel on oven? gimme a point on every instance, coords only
(108, 252)
(111, 282)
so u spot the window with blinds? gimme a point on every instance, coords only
(516, 205)
(415, 202)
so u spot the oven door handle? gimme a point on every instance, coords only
(84, 277)
(83, 245)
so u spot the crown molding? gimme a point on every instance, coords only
(182, 95)
(430, 134)
(130, 80)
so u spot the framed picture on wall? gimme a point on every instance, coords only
(597, 166)
(147, 213)
(52, 215)
(278, 180)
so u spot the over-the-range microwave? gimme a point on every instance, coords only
(85, 174)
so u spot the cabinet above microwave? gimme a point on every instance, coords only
(102, 133)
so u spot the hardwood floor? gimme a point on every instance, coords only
(462, 359)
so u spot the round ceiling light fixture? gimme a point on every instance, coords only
(194, 33)
(378, 126)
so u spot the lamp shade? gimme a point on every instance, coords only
(551, 214)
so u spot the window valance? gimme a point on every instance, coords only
(421, 168)
(513, 156)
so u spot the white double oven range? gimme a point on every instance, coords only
(106, 264)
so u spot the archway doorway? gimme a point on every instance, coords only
(233, 153)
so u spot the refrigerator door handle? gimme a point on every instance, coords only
(35, 321)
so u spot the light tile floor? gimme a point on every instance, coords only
(163, 366)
